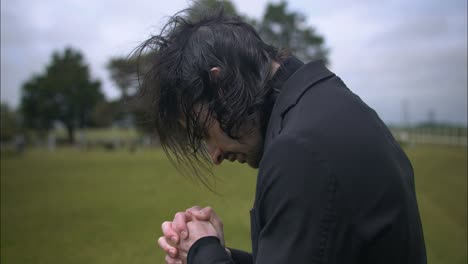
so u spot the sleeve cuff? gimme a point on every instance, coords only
(207, 250)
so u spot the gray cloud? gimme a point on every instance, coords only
(414, 51)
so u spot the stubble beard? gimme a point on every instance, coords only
(255, 155)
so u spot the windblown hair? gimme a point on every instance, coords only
(178, 81)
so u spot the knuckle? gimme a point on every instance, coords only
(193, 210)
(196, 207)
(167, 229)
(179, 223)
(164, 224)
(179, 218)
(179, 215)
(180, 226)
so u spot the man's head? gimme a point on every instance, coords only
(207, 81)
(245, 147)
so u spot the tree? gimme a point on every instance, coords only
(10, 123)
(198, 7)
(285, 29)
(64, 93)
(131, 105)
(124, 74)
(107, 112)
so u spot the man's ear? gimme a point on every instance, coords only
(215, 72)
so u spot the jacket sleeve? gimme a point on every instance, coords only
(241, 257)
(208, 250)
(294, 208)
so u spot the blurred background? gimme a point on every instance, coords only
(84, 181)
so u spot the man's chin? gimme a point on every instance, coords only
(254, 157)
(253, 163)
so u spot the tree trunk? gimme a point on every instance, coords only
(71, 134)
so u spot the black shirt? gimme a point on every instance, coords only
(333, 184)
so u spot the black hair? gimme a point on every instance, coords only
(177, 78)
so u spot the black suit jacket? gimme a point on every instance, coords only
(333, 184)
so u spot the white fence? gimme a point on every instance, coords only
(438, 136)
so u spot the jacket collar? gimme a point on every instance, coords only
(287, 68)
(290, 92)
(297, 83)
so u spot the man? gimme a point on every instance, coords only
(333, 185)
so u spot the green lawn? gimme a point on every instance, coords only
(441, 182)
(75, 206)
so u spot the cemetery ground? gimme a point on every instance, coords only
(77, 206)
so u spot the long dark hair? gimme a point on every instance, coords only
(176, 79)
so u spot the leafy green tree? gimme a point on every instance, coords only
(106, 112)
(198, 7)
(65, 92)
(10, 123)
(124, 75)
(131, 106)
(286, 29)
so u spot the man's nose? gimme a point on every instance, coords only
(216, 154)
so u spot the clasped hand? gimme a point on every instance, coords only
(186, 228)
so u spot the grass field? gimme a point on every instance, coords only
(73, 206)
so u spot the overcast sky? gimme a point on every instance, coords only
(388, 52)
